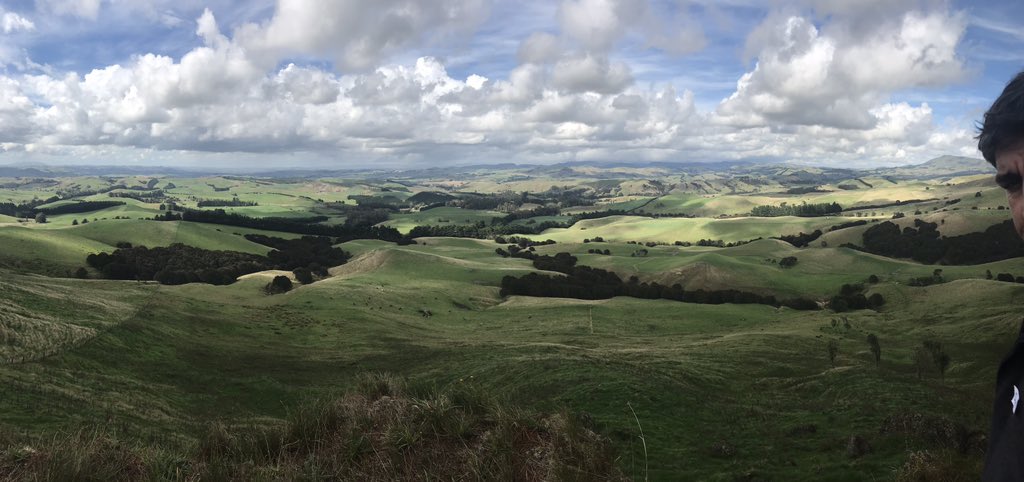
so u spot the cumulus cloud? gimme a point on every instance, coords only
(356, 34)
(820, 89)
(540, 48)
(597, 25)
(591, 74)
(805, 76)
(11, 22)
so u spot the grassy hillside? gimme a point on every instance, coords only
(669, 230)
(430, 312)
(178, 377)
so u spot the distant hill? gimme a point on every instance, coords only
(945, 166)
(8, 171)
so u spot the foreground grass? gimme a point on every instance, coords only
(721, 392)
(381, 430)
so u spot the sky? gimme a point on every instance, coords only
(344, 84)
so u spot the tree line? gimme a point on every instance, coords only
(233, 203)
(803, 210)
(341, 233)
(180, 264)
(585, 282)
(79, 207)
(923, 243)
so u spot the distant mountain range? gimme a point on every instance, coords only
(945, 166)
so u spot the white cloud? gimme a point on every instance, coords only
(356, 34)
(540, 48)
(11, 22)
(804, 76)
(597, 25)
(591, 74)
(821, 90)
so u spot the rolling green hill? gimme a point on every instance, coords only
(720, 392)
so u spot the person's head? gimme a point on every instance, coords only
(1001, 141)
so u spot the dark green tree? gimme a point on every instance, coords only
(280, 284)
(303, 275)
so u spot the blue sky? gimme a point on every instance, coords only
(306, 83)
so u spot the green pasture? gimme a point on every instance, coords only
(669, 230)
(697, 376)
(720, 392)
(441, 216)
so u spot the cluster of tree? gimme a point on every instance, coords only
(584, 282)
(620, 212)
(805, 190)
(176, 264)
(389, 203)
(1005, 277)
(155, 196)
(225, 203)
(596, 239)
(601, 214)
(487, 202)
(889, 205)
(516, 251)
(934, 279)
(341, 233)
(851, 297)
(551, 210)
(481, 231)
(181, 264)
(74, 222)
(79, 207)
(278, 285)
(365, 217)
(430, 198)
(801, 240)
(26, 209)
(522, 242)
(167, 216)
(313, 253)
(803, 209)
(925, 245)
(606, 252)
(788, 261)
(847, 225)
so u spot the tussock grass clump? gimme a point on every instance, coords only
(83, 455)
(382, 430)
(942, 466)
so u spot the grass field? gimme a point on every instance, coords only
(721, 392)
(440, 217)
(195, 353)
(669, 230)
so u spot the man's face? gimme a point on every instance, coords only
(1010, 176)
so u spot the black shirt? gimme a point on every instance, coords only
(1004, 460)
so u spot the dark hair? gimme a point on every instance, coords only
(1004, 122)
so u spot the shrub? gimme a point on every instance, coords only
(303, 275)
(280, 284)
